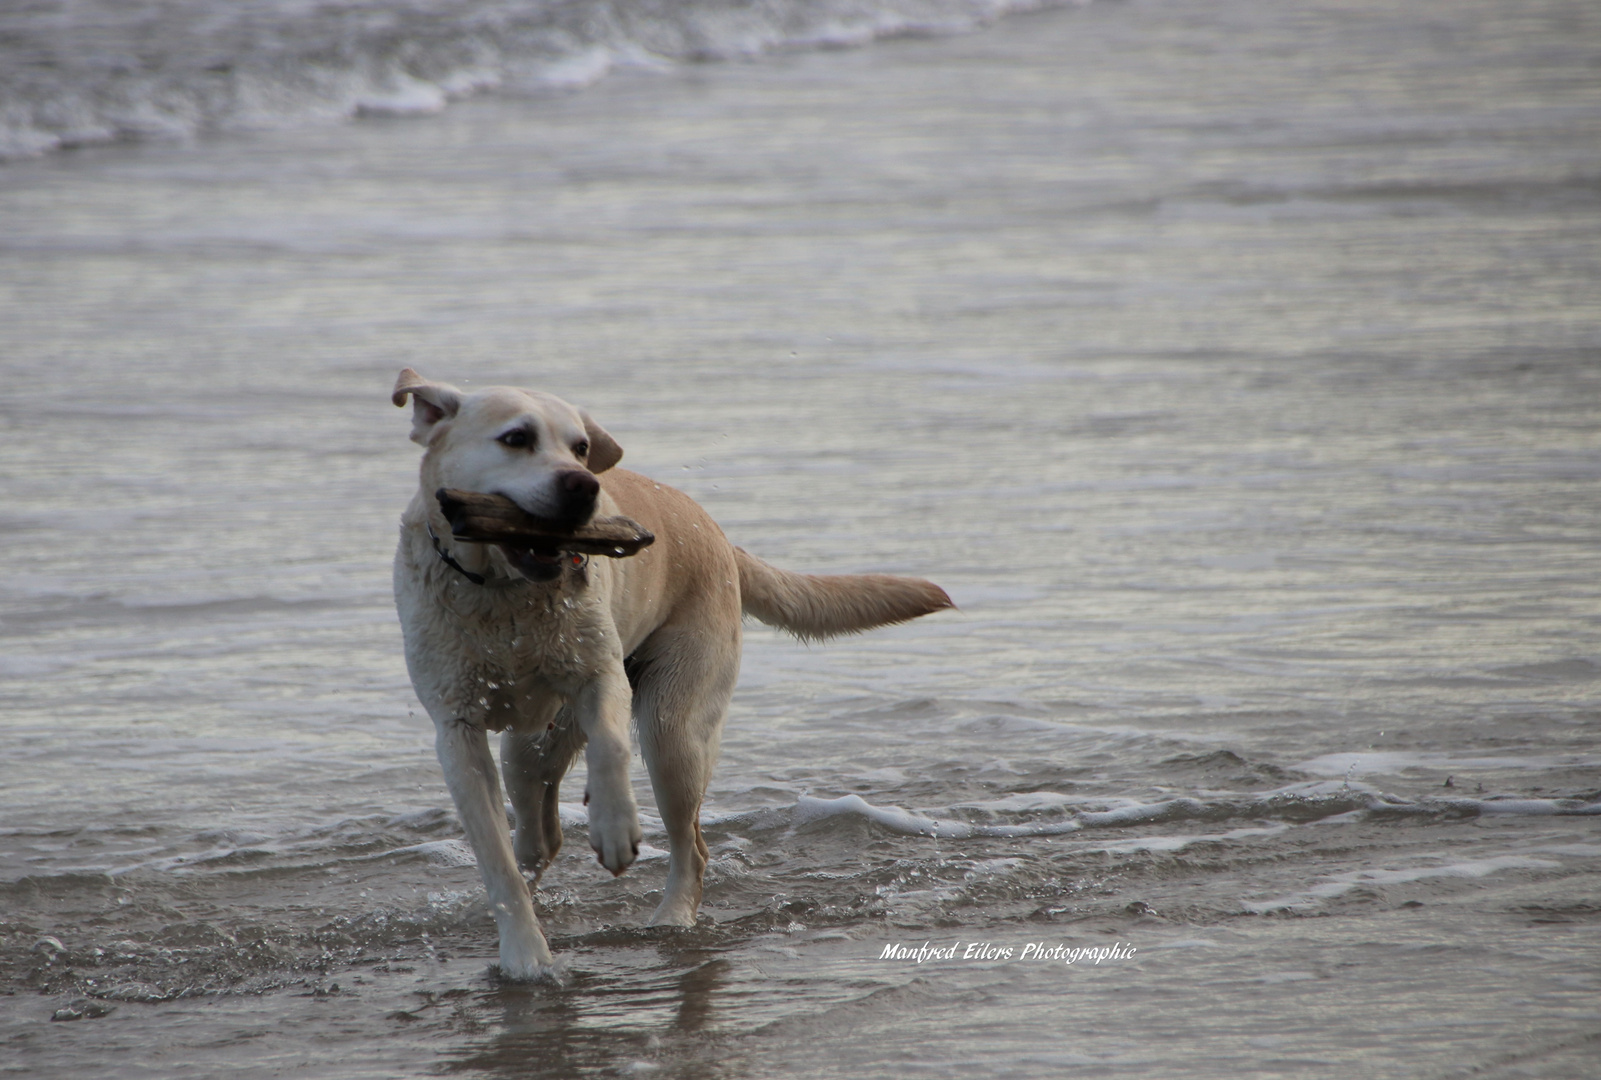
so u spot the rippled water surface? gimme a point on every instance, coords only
(1236, 366)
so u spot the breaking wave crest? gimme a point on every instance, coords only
(1295, 804)
(109, 70)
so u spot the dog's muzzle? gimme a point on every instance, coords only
(576, 491)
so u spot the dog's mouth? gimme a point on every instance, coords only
(536, 548)
(541, 563)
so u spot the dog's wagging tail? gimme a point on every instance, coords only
(818, 606)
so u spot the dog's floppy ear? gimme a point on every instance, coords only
(603, 449)
(431, 402)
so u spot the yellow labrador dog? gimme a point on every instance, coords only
(559, 652)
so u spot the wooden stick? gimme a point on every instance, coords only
(495, 519)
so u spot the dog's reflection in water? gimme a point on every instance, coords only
(594, 1024)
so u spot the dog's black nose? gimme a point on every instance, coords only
(580, 486)
(576, 492)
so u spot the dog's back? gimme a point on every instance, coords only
(810, 606)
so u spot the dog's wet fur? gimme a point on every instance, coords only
(559, 653)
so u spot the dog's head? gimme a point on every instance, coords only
(533, 448)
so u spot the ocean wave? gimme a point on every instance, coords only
(99, 71)
(1334, 886)
(1053, 814)
(1397, 762)
(894, 819)
(431, 834)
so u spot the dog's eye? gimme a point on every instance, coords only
(580, 449)
(517, 438)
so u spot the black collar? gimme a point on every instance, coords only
(444, 557)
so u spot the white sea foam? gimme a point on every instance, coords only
(1578, 851)
(1021, 802)
(808, 809)
(438, 852)
(1179, 843)
(1340, 884)
(1135, 813)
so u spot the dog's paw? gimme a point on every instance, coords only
(673, 912)
(533, 857)
(615, 835)
(527, 960)
(529, 973)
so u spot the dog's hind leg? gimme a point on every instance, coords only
(533, 763)
(685, 680)
(470, 775)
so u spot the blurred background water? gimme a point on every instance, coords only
(1236, 366)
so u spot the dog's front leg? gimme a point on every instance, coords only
(603, 708)
(533, 764)
(470, 775)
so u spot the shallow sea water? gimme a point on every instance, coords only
(1235, 366)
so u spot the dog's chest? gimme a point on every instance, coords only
(537, 660)
(503, 656)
